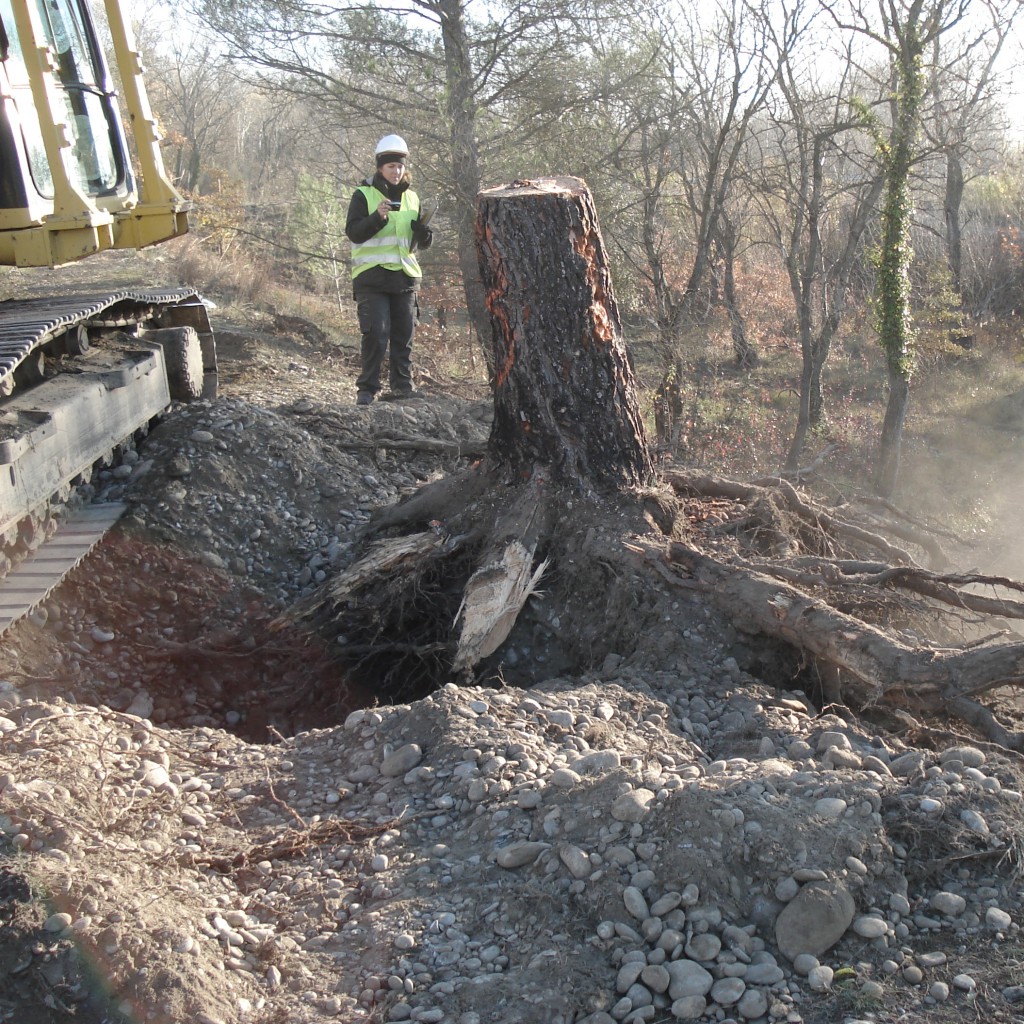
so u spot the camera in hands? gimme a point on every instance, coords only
(395, 204)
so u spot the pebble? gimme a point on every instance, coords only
(633, 806)
(635, 903)
(998, 919)
(401, 761)
(975, 822)
(870, 927)
(518, 854)
(687, 978)
(949, 903)
(576, 861)
(815, 919)
(820, 978)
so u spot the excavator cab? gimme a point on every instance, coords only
(67, 184)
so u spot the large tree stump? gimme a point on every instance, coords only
(445, 574)
(564, 393)
(558, 508)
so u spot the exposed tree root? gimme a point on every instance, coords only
(796, 524)
(875, 666)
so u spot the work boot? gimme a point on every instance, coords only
(401, 396)
(364, 398)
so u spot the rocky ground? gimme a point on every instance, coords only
(191, 833)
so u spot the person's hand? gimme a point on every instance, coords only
(383, 209)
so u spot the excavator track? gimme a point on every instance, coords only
(29, 325)
(31, 581)
(81, 379)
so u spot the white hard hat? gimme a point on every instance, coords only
(392, 144)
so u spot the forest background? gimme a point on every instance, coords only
(806, 205)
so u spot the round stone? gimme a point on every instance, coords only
(786, 889)
(804, 963)
(576, 861)
(820, 978)
(515, 855)
(975, 822)
(656, 978)
(628, 975)
(728, 991)
(831, 807)
(997, 919)
(753, 1004)
(949, 903)
(402, 760)
(971, 757)
(632, 807)
(688, 979)
(704, 947)
(689, 1008)
(815, 919)
(565, 778)
(635, 903)
(870, 927)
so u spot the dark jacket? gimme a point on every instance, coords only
(362, 224)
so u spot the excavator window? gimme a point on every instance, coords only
(98, 165)
(32, 139)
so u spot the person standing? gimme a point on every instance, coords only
(385, 229)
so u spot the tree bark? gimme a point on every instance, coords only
(564, 392)
(891, 442)
(953, 201)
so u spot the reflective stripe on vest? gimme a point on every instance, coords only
(391, 247)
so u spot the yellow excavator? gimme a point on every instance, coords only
(80, 375)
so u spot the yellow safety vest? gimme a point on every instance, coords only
(391, 247)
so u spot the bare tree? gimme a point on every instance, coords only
(819, 186)
(905, 31)
(724, 73)
(197, 96)
(964, 122)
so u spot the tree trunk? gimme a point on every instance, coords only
(461, 114)
(890, 447)
(954, 234)
(744, 352)
(564, 393)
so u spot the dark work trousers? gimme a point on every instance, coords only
(386, 320)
